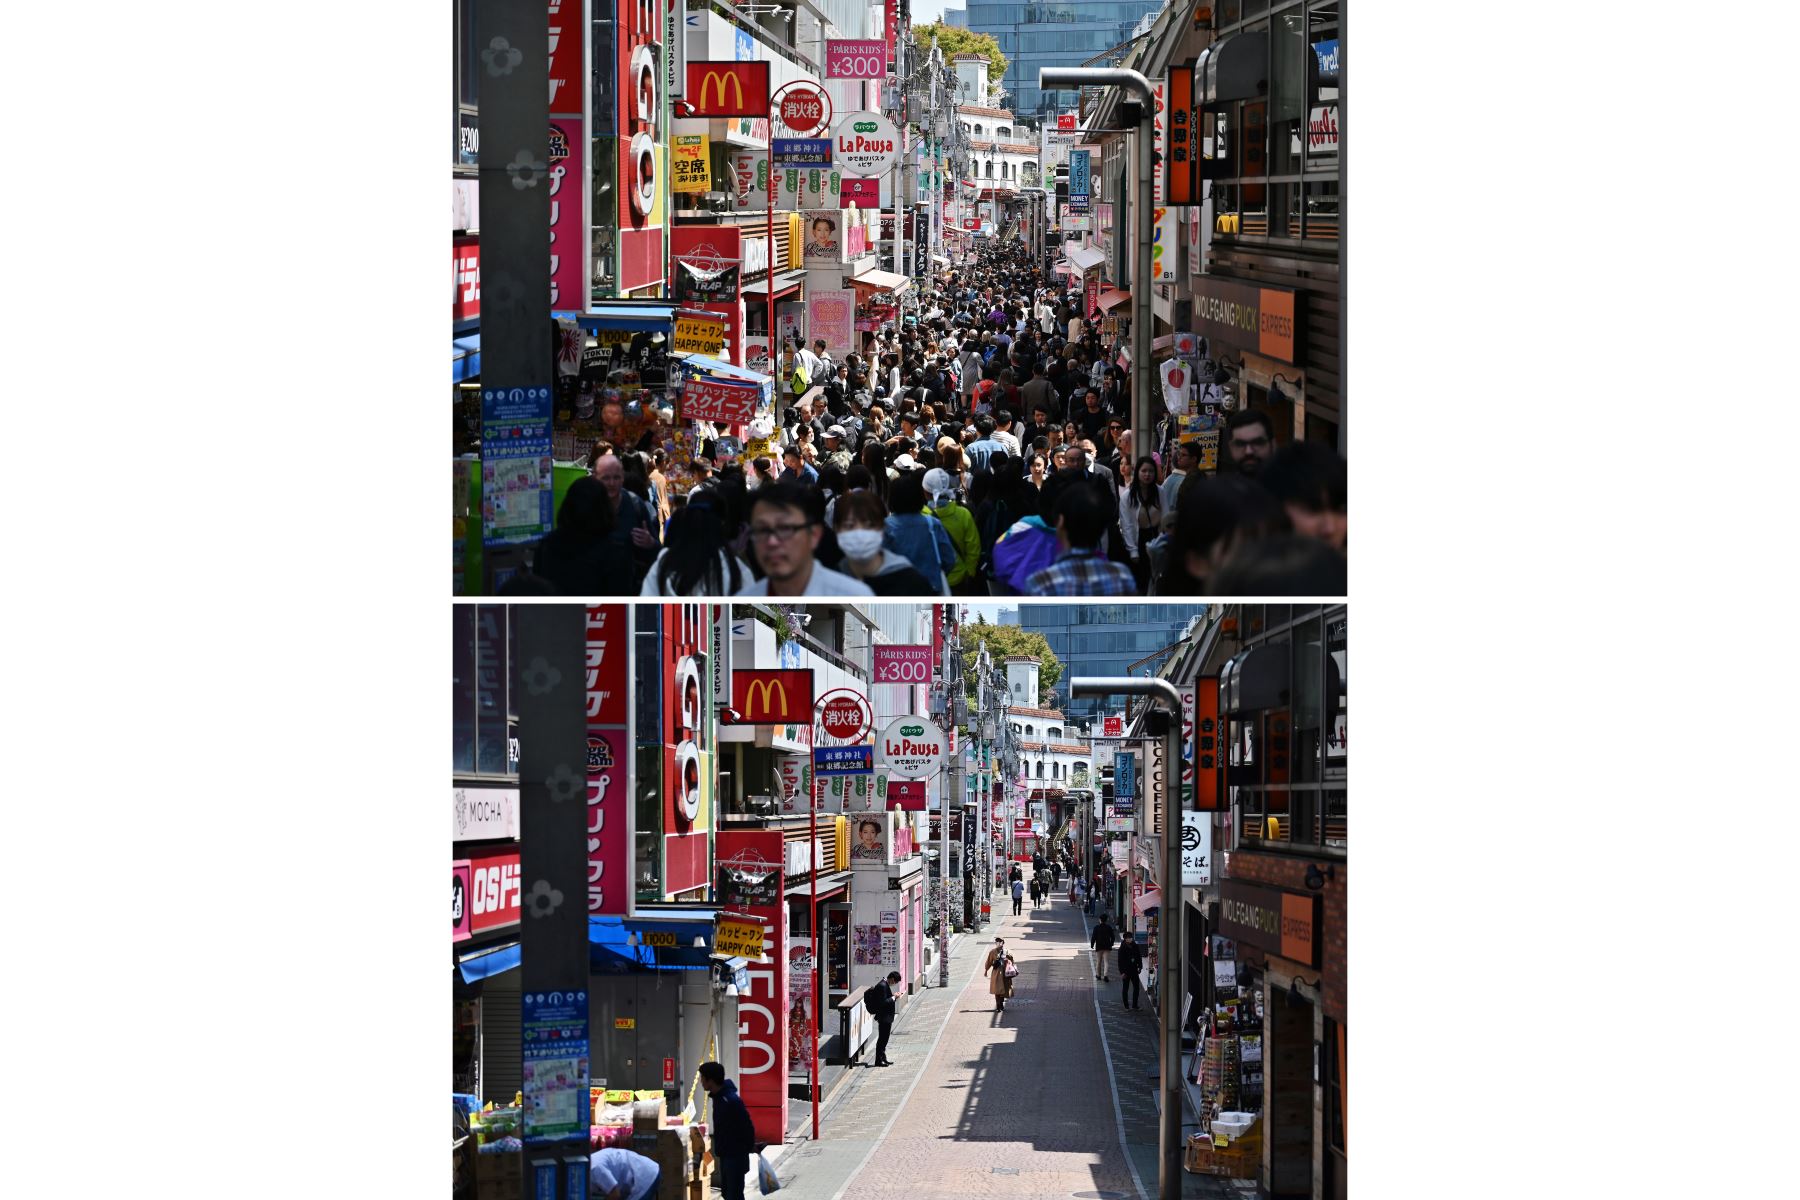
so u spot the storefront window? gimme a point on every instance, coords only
(649, 824)
(1337, 738)
(1321, 214)
(462, 682)
(1287, 88)
(491, 672)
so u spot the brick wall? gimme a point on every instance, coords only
(1288, 873)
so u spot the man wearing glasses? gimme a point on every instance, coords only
(1249, 440)
(786, 523)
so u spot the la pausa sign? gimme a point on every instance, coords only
(865, 143)
(912, 747)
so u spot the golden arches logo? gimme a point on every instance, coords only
(715, 82)
(757, 697)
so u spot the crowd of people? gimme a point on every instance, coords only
(981, 447)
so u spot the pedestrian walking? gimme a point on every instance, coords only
(879, 1000)
(1102, 940)
(1055, 873)
(1078, 893)
(1018, 891)
(733, 1133)
(1000, 985)
(1131, 962)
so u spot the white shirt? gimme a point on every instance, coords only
(824, 582)
(614, 1166)
(1008, 440)
(700, 589)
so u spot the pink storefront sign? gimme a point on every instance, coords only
(608, 748)
(568, 230)
(855, 58)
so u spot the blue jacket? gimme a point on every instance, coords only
(733, 1133)
(924, 542)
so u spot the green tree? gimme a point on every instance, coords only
(953, 41)
(1004, 640)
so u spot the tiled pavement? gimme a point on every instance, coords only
(1017, 1104)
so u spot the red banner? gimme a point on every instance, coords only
(686, 751)
(566, 39)
(907, 795)
(890, 25)
(461, 881)
(608, 749)
(762, 1015)
(772, 697)
(641, 145)
(493, 889)
(714, 400)
(568, 232)
(860, 193)
(465, 272)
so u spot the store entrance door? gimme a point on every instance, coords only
(1288, 1093)
(633, 1024)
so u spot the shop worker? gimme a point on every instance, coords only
(880, 1002)
(733, 1133)
(787, 521)
(620, 1174)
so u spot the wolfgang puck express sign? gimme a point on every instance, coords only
(1280, 922)
(1258, 319)
(911, 747)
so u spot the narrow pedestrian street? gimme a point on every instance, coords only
(1016, 1104)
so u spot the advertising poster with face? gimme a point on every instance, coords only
(869, 839)
(687, 747)
(824, 237)
(642, 141)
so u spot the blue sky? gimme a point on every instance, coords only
(924, 12)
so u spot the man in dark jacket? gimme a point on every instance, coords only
(1102, 940)
(880, 1002)
(1131, 961)
(733, 1134)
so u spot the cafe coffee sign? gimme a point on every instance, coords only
(911, 747)
(1280, 922)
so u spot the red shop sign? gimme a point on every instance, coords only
(609, 853)
(493, 890)
(908, 795)
(465, 274)
(460, 879)
(711, 400)
(844, 717)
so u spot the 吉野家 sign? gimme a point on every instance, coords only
(912, 747)
(775, 697)
(728, 89)
(902, 664)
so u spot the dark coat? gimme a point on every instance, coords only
(732, 1131)
(881, 1002)
(1102, 938)
(1131, 957)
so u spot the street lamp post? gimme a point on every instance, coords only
(1142, 311)
(1170, 969)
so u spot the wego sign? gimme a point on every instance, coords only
(912, 747)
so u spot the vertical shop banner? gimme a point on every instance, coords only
(1079, 182)
(553, 1044)
(1091, 294)
(691, 166)
(800, 1018)
(750, 870)
(687, 748)
(832, 315)
(1162, 249)
(608, 796)
(1209, 747)
(568, 226)
(1196, 849)
(1179, 186)
(890, 28)
(465, 272)
(747, 180)
(642, 143)
(1189, 702)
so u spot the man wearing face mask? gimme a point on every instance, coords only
(940, 487)
(859, 519)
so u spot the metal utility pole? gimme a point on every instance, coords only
(1170, 969)
(1143, 379)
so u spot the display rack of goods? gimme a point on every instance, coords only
(1219, 1071)
(1251, 1069)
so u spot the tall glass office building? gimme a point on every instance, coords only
(1061, 33)
(1103, 639)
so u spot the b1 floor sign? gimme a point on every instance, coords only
(911, 747)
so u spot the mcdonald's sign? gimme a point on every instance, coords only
(771, 697)
(728, 89)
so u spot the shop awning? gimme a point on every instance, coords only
(940, 259)
(884, 281)
(718, 366)
(1111, 299)
(827, 885)
(465, 358)
(1085, 258)
(1149, 902)
(621, 944)
(1062, 268)
(629, 316)
(1235, 68)
(785, 282)
(484, 964)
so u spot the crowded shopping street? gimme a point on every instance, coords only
(897, 899)
(877, 331)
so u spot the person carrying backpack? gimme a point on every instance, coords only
(879, 1000)
(1102, 940)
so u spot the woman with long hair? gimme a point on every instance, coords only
(874, 460)
(579, 557)
(697, 559)
(1140, 518)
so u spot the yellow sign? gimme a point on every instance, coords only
(624, 1022)
(738, 939)
(613, 337)
(664, 940)
(692, 168)
(699, 335)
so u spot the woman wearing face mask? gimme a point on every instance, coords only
(860, 518)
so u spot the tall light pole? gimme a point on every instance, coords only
(1170, 969)
(1142, 310)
